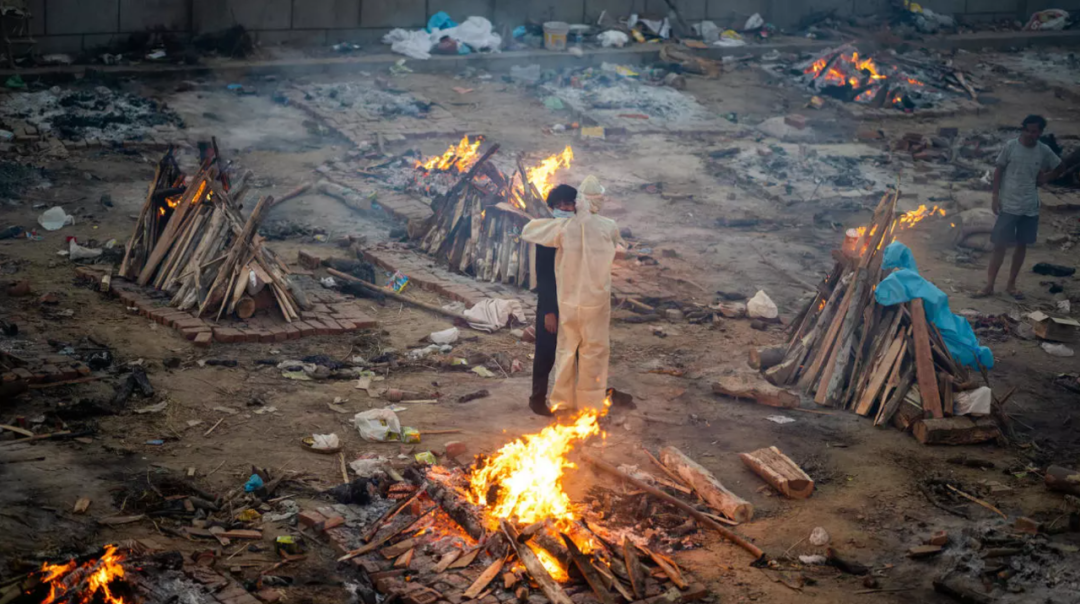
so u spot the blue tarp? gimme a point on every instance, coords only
(440, 20)
(906, 284)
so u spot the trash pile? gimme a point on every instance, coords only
(446, 37)
(901, 81)
(880, 340)
(91, 113)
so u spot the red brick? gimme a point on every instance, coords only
(310, 518)
(319, 329)
(796, 121)
(364, 322)
(204, 339)
(227, 335)
(332, 326)
(332, 522)
(292, 331)
(191, 333)
(346, 324)
(456, 448)
(308, 260)
(266, 336)
(305, 328)
(182, 324)
(281, 333)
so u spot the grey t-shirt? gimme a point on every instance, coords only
(1019, 191)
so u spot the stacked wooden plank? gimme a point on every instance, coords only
(476, 225)
(850, 352)
(192, 241)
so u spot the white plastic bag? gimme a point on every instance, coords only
(78, 252)
(1057, 350)
(613, 38)
(366, 468)
(492, 314)
(709, 31)
(446, 336)
(476, 32)
(414, 44)
(754, 22)
(973, 402)
(325, 442)
(762, 307)
(55, 218)
(377, 425)
(1048, 20)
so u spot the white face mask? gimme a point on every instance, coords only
(562, 214)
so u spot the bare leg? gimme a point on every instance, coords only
(996, 260)
(1014, 271)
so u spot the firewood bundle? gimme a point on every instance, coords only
(192, 241)
(850, 352)
(476, 226)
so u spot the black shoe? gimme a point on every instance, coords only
(540, 407)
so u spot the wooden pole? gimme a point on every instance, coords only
(924, 361)
(389, 293)
(701, 519)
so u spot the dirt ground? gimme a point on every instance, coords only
(867, 496)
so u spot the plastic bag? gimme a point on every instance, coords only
(762, 307)
(612, 38)
(446, 336)
(754, 22)
(78, 252)
(55, 218)
(973, 402)
(1048, 20)
(413, 44)
(709, 31)
(492, 314)
(325, 442)
(1057, 350)
(378, 425)
(440, 20)
(477, 33)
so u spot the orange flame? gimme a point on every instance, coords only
(917, 215)
(902, 222)
(461, 157)
(98, 575)
(540, 176)
(529, 473)
(550, 564)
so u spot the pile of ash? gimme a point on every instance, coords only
(99, 112)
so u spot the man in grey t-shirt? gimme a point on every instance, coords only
(1023, 165)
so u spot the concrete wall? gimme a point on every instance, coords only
(73, 25)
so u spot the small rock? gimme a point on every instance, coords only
(171, 362)
(940, 538)
(819, 537)
(870, 583)
(19, 289)
(50, 299)
(456, 448)
(759, 325)
(106, 200)
(924, 551)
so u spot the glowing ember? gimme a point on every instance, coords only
(550, 564)
(529, 471)
(93, 579)
(460, 157)
(540, 176)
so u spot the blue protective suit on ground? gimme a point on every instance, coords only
(906, 284)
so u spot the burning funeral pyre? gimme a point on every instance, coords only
(901, 82)
(886, 362)
(191, 241)
(477, 221)
(509, 515)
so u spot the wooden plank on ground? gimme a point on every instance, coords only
(780, 471)
(960, 430)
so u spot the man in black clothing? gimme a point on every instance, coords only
(562, 201)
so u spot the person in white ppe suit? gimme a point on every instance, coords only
(585, 249)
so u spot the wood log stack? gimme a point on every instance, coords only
(503, 561)
(849, 352)
(192, 241)
(476, 225)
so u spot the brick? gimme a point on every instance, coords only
(266, 336)
(204, 339)
(320, 329)
(188, 323)
(190, 333)
(330, 523)
(456, 448)
(346, 324)
(306, 329)
(796, 121)
(940, 538)
(333, 327)
(1026, 525)
(869, 135)
(280, 333)
(308, 260)
(227, 335)
(292, 332)
(310, 518)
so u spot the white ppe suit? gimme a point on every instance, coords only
(585, 249)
